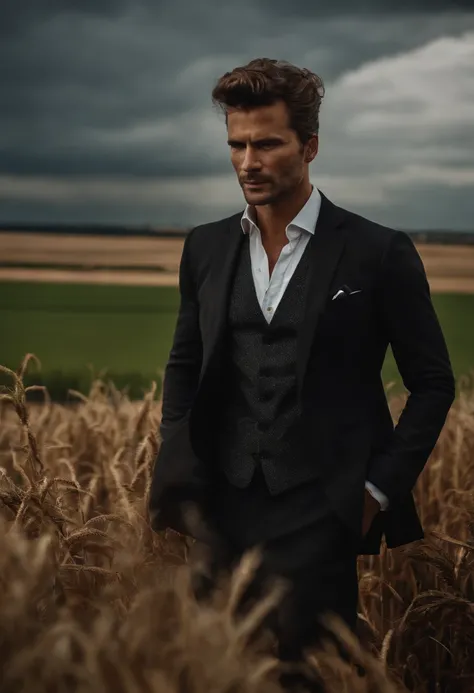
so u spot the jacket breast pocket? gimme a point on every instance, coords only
(345, 314)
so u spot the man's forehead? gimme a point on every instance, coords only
(274, 113)
(257, 123)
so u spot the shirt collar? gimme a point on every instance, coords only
(305, 219)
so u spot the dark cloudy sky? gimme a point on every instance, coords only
(106, 112)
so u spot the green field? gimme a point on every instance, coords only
(128, 331)
(72, 328)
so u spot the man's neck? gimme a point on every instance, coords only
(272, 220)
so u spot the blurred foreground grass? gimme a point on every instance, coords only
(93, 601)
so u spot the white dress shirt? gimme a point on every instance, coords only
(270, 290)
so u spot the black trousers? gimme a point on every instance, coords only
(302, 541)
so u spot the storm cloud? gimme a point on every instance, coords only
(106, 115)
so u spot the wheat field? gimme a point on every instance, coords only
(92, 600)
(154, 261)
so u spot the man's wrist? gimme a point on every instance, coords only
(377, 495)
(372, 500)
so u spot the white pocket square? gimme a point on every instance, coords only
(345, 291)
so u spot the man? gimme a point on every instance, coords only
(276, 430)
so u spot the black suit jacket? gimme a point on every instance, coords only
(341, 349)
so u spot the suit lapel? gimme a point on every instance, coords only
(325, 249)
(224, 261)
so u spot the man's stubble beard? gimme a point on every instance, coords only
(269, 198)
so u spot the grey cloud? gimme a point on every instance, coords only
(111, 161)
(417, 207)
(75, 80)
(128, 211)
(309, 8)
(17, 16)
(424, 207)
(80, 78)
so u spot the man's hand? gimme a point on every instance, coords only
(371, 509)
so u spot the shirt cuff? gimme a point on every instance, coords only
(380, 497)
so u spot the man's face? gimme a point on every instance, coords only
(266, 154)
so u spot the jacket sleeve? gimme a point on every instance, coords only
(411, 326)
(182, 371)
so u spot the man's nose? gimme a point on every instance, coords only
(251, 160)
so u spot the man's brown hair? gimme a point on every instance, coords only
(263, 81)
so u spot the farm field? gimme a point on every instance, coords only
(93, 600)
(96, 585)
(99, 302)
(154, 261)
(127, 330)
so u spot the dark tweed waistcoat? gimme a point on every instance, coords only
(260, 407)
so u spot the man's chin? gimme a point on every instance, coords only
(257, 198)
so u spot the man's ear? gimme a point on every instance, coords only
(312, 147)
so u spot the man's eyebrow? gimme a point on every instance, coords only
(261, 140)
